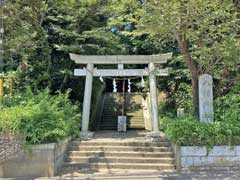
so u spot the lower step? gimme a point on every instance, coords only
(121, 148)
(162, 143)
(93, 159)
(78, 166)
(122, 154)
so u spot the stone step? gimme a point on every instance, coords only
(130, 154)
(116, 108)
(163, 143)
(115, 118)
(137, 126)
(132, 104)
(126, 100)
(136, 113)
(107, 124)
(128, 127)
(115, 128)
(110, 116)
(126, 97)
(118, 111)
(104, 123)
(120, 148)
(127, 93)
(93, 159)
(76, 166)
(111, 121)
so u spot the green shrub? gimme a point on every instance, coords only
(227, 107)
(188, 131)
(41, 117)
(191, 132)
(183, 98)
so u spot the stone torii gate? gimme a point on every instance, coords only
(120, 60)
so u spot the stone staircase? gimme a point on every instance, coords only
(122, 153)
(112, 108)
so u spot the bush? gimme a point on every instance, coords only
(191, 132)
(42, 118)
(188, 131)
(183, 98)
(227, 107)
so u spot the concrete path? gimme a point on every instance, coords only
(220, 174)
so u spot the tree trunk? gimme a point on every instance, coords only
(194, 69)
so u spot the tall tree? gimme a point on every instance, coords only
(25, 42)
(76, 26)
(207, 32)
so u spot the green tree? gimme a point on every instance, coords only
(206, 31)
(25, 43)
(76, 27)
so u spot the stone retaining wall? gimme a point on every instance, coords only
(195, 156)
(10, 145)
(36, 161)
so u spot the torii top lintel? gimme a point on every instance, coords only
(121, 59)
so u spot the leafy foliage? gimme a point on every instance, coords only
(228, 107)
(41, 118)
(191, 132)
(183, 98)
(224, 131)
(200, 29)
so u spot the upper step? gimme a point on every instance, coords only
(130, 154)
(120, 148)
(162, 143)
(131, 113)
(112, 108)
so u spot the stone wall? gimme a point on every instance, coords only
(36, 161)
(10, 145)
(218, 156)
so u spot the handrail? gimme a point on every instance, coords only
(101, 111)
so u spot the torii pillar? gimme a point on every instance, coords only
(87, 100)
(153, 96)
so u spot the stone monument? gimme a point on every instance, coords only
(122, 123)
(206, 113)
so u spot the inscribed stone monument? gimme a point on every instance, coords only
(206, 98)
(122, 123)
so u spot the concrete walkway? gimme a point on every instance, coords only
(220, 174)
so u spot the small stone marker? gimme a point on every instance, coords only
(122, 123)
(180, 112)
(206, 98)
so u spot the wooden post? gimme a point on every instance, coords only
(1, 88)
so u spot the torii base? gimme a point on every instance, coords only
(154, 136)
(86, 135)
